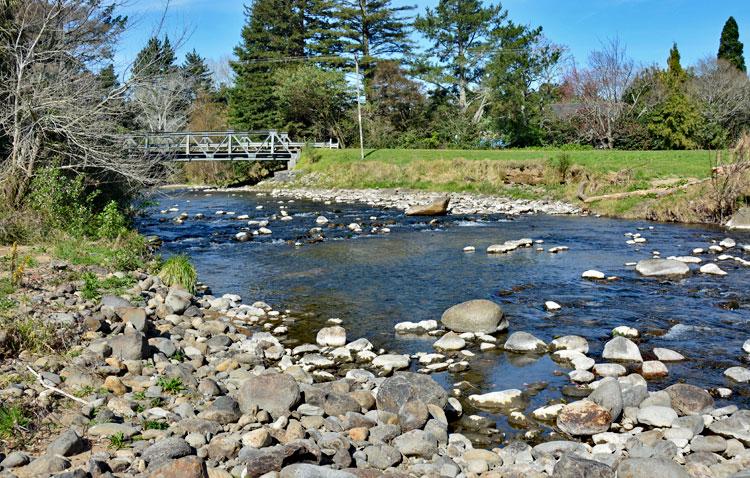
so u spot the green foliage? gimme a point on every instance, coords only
(93, 288)
(731, 48)
(13, 418)
(29, 334)
(90, 290)
(561, 165)
(197, 70)
(127, 253)
(117, 441)
(156, 58)
(112, 223)
(178, 270)
(155, 425)
(171, 385)
(62, 202)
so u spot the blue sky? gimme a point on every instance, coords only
(647, 27)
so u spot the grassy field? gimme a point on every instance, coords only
(525, 174)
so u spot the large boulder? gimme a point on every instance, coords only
(688, 399)
(584, 418)
(650, 467)
(273, 392)
(166, 449)
(178, 300)
(478, 315)
(608, 395)
(132, 345)
(521, 342)
(740, 219)
(436, 208)
(407, 393)
(661, 267)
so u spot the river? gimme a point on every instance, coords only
(371, 281)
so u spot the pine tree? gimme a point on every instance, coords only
(268, 38)
(463, 34)
(156, 58)
(108, 78)
(730, 46)
(197, 70)
(317, 27)
(167, 57)
(374, 29)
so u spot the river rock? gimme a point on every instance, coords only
(186, 467)
(450, 341)
(570, 342)
(501, 399)
(584, 417)
(46, 465)
(552, 306)
(178, 300)
(416, 443)
(657, 416)
(436, 208)
(740, 219)
(688, 399)
(404, 387)
(524, 342)
(391, 361)
(166, 449)
(661, 267)
(649, 468)
(132, 345)
(223, 410)
(273, 392)
(67, 444)
(620, 348)
(571, 465)
(712, 269)
(608, 395)
(382, 456)
(308, 470)
(653, 369)
(421, 327)
(593, 274)
(478, 316)
(667, 355)
(331, 336)
(735, 426)
(738, 374)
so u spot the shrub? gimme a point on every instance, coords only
(561, 165)
(112, 223)
(177, 270)
(62, 202)
(31, 335)
(12, 418)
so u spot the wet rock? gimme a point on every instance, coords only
(167, 449)
(667, 355)
(650, 467)
(391, 361)
(570, 342)
(574, 466)
(406, 387)
(524, 342)
(420, 327)
(273, 392)
(738, 374)
(654, 369)
(478, 316)
(67, 444)
(593, 274)
(187, 467)
(436, 208)
(712, 269)
(609, 396)
(620, 348)
(552, 306)
(661, 268)
(584, 418)
(634, 390)
(688, 399)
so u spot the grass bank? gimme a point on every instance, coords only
(533, 174)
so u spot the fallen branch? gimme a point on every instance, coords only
(55, 389)
(659, 192)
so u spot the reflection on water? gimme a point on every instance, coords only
(372, 281)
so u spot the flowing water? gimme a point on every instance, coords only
(373, 281)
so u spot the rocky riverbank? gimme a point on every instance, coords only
(162, 383)
(460, 203)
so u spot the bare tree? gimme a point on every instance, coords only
(54, 109)
(163, 103)
(723, 93)
(601, 90)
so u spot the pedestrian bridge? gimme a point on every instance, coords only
(265, 145)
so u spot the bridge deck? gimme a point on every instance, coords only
(224, 146)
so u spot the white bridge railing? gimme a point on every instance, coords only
(223, 146)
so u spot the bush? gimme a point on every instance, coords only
(62, 202)
(561, 165)
(112, 223)
(177, 270)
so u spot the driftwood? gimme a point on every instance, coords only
(55, 389)
(659, 192)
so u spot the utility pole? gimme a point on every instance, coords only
(359, 110)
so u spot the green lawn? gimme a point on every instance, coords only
(645, 164)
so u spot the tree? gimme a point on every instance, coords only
(463, 34)
(56, 110)
(164, 104)
(675, 123)
(268, 38)
(197, 70)
(108, 78)
(156, 58)
(314, 102)
(730, 46)
(600, 91)
(317, 27)
(374, 29)
(519, 84)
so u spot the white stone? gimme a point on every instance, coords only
(738, 374)
(657, 416)
(470, 249)
(552, 305)
(625, 331)
(581, 376)
(390, 361)
(668, 355)
(746, 346)
(653, 369)
(727, 243)
(321, 220)
(420, 327)
(331, 336)
(686, 259)
(593, 274)
(712, 269)
(609, 369)
(496, 399)
(548, 413)
(450, 341)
